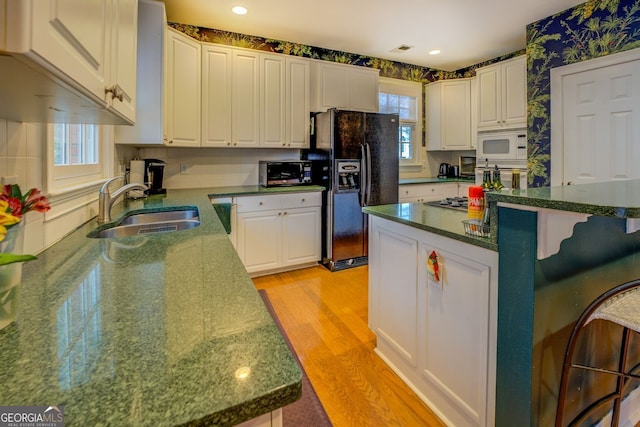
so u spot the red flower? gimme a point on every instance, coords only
(20, 204)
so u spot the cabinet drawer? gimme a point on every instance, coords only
(411, 191)
(301, 200)
(259, 203)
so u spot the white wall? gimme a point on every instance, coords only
(213, 167)
(21, 160)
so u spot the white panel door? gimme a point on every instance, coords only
(396, 311)
(301, 236)
(335, 86)
(72, 35)
(514, 109)
(489, 93)
(454, 324)
(601, 118)
(456, 114)
(363, 90)
(246, 99)
(183, 90)
(124, 56)
(272, 100)
(258, 241)
(298, 103)
(216, 93)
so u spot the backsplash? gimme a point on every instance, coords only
(21, 156)
(590, 30)
(213, 167)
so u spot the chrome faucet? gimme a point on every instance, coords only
(106, 199)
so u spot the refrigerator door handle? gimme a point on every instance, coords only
(368, 173)
(363, 175)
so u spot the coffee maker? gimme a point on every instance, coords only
(153, 173)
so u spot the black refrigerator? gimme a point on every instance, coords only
(360, 151)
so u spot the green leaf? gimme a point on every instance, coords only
(11, 258)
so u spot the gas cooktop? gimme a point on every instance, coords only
(457, 203)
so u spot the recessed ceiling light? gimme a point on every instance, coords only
(239, 10)
(434, 52)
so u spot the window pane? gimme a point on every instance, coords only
(406, 141)
(75, 144)
(406, 108)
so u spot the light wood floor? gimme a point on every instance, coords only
(324, 315)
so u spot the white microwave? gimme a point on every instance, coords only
(504, 145)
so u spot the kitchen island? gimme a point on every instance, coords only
(432, 305)
(498, 326)
(559, 248)
(162, 329)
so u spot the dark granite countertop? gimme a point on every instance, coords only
(256, 190)
(408, 181)
(620, 199)
(156, 330)
(443, 221)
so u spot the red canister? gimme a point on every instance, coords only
(475, 205)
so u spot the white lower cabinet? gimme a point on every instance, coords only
(438, 336)
(278, 232)
(409, 193)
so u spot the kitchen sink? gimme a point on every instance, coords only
(151, 222)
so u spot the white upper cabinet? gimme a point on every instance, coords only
(343, 86)
(74, 51)
(448, 115)
(149, 126)
(182, 90)
(253, 99)
(297, 103)
(245, 105)
(502, 94)
(123, 58)
(216, 95)
(273, 71)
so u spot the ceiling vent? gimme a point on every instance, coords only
(401, 49)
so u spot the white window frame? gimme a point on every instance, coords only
(414, 89)
(70, 180)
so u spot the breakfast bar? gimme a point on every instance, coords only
(556, 250)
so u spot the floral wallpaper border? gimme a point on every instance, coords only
(392, 69)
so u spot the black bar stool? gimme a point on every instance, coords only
(620, 305)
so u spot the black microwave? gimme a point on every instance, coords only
(284, 173)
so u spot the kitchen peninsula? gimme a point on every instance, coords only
(504, 320)
(162, 329)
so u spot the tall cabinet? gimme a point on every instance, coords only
(149, 127)
(253, 99)
(448, 118)
(502, 94)
(182, 90)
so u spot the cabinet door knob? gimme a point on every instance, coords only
(260, 204)
(303, 200)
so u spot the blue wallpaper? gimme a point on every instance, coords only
(590, 30)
